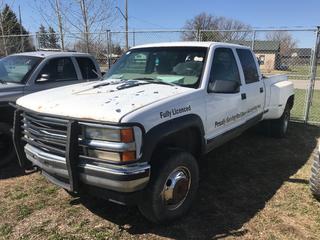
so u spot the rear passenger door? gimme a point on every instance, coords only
(253, 96)
(89, 71)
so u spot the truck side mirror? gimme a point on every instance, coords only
(224, 86)
(44, 78)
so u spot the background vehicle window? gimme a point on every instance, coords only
(224, 66)
(17, 68)
(87, 68)
(59, 69)
(248, 65)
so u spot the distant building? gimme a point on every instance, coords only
(297, 56)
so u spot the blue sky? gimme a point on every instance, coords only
(148, 14)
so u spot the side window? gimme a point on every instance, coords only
(59, 69)
(87, 68)
(224, 66)
(248, 65)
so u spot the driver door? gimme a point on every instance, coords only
(223, 109)
(56, 72)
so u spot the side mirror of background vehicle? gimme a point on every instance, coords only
(44, 78)
(224, 86)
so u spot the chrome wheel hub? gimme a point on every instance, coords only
(176, 188)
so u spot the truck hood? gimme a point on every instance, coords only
(104, 103)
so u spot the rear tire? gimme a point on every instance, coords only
(315, 176)
(279, 127)
(7, 153)
(172, 187)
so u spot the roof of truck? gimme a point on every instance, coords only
(186, 44)
(44, 54)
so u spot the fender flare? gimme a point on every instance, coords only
(156, 134)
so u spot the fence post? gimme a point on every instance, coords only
(109, 48)
(199, 35)
(133, 38)
(314, 64)
(253, 39)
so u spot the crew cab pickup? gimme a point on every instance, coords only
(29, 72)
(137, 137)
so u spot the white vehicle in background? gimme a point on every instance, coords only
(137, 137)
(25, 73)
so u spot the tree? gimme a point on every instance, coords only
(286, 40)
(91, 18)
(53, 39)
(9, 25)
(43, 37)
(220, 28)
(116, 49)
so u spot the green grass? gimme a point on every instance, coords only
(246, 191)
(297, 72)
(5, 230)
(299, 105)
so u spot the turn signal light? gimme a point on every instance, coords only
(127, 135)
(128, 156)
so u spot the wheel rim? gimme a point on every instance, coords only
(286, 122)
(176, 188)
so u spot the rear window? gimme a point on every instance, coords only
(87, 68)
(248, 65)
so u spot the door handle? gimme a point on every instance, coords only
(261, 90)
(243, 96)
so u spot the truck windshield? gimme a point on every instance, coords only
(17, 68)
(175, 65)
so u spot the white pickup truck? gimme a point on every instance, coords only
(137, 137)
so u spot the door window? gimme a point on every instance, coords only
(224, 66)
(59, 69)
(248, 65)
(87, 68)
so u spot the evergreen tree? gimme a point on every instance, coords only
(43, 37)
(53, 39)
(11, 26)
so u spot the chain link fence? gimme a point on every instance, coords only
(279, 51)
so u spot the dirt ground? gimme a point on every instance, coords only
(254, 187)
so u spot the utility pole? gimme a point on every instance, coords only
(60, 23)
(125, 16)
(21, 32)
(127, 27)
(85, 21)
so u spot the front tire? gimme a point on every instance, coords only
(7, 153)
(172, 188)
(315, 176)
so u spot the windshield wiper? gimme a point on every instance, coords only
(101, 85)
(3, 81)
(144, 78)
(131, 83)
(155, 80)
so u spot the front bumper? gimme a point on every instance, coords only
(129, 178)
(70, 169)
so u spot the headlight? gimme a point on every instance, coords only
(104, 155)
(109, 134)
(114, 144)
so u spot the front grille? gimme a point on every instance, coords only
(47, 133)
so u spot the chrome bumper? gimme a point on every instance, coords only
(126, 179)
